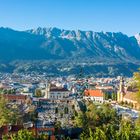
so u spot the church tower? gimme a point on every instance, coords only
(47, 92)
(121, 90)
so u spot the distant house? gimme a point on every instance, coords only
(16, 98)
(94, 95)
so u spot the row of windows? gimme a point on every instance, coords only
(56, 97)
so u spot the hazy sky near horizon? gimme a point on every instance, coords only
(97, 15)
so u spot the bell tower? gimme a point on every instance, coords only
(121, 90)
(47, 92)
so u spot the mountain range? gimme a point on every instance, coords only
(54, 43)
(59, 44)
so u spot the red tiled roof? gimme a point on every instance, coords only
(15, 97)
(93, 92)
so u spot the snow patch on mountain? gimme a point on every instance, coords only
(137, 36)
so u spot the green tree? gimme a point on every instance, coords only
(38, 93)
(107, 96)
(66, 110)
(125, 130)
(43, 137)
(114, 96)
(56, 110)
(81, 120)
(61, 114)
(5, 137)
(136, 129)
(8, 115)
(99, 134)
(57, 127)
(84, 136)
(98, 120)
(25, 135)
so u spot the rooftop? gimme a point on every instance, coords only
(93, 92)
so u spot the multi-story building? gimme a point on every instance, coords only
(54, 92)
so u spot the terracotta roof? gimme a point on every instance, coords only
(93, 92)
(15, 97)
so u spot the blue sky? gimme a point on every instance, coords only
(96, 15)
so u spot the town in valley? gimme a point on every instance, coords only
(50, 105)
(69, 69)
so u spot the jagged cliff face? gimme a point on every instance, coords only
(54, 43)
(89, 44)
(137, 36)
